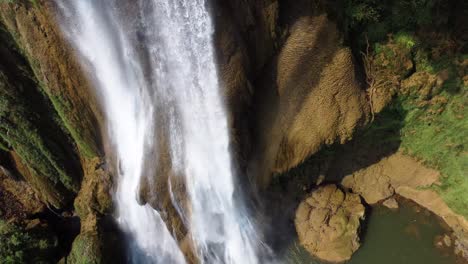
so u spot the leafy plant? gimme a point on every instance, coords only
(20, 246)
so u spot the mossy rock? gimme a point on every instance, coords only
(55, 69)
(33, 130)
(104, 244)
(86, 250)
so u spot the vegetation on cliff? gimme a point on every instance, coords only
(30, 127)
(19, 245)
(420, 59)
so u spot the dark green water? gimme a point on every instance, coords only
(403, 236)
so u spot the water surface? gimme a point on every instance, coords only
(403, 236)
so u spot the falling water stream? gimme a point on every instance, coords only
(146, 57)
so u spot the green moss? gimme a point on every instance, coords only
(441, 141)
(29, 124)
(87, 249)
(20, 246)
(406, 39)
(78, 127)
(429, 122)
(85, 144)
(432, 126)
(3, 145)
(20, 128)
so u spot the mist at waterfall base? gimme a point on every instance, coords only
(152, 62)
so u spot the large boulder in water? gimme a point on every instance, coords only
(328, 222)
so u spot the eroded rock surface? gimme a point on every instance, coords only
(308, 97)
(380, 180)
(328, 221)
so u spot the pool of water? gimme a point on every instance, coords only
(402, 236)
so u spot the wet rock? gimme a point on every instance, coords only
(328, 221)
(391, 203)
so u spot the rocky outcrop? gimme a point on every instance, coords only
(51, 58)
(17, 198)
(50, 128)
(381, 180)
(100, 240)
(328, 221)
(308, 97)
(46, 137)
(405, 176)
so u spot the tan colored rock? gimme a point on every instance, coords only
(421, 83)
(99, 241)
(21, 192)
(391, 203)
(309, 97)
(327, 223)
(378, 181)
(371, 185)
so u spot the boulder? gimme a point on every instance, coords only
(379, 181)
(391, 203)
(307, 97)
(328, 222)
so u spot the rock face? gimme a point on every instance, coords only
(308, 97)
(328, 221)
(100, 240)
(46, 137)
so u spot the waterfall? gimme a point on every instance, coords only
(153, 64)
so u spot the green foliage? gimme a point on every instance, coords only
(405, 39)
(362, 12)
(86, 250)
(431, 124)
(34, 2)
(438, 134)
(20, 246)
(376, 18)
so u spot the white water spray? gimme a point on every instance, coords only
(176, 36)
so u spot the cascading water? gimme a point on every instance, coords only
(179, 76)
